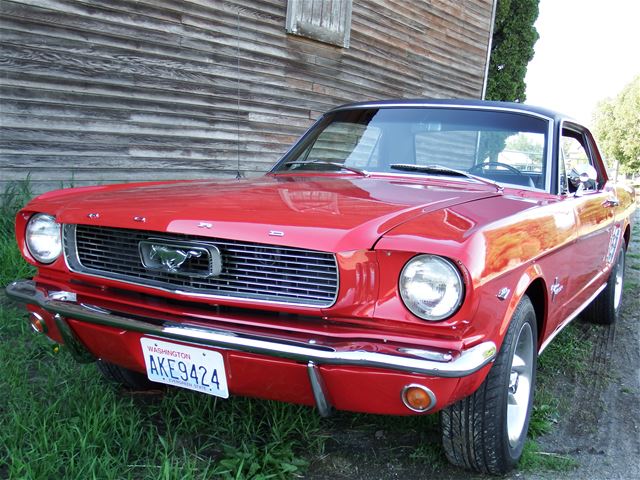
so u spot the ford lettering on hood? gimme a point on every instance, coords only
(321, 213)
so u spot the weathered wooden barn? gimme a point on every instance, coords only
(106, 91)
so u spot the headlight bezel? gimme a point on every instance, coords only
(457, 275)
(31, 230)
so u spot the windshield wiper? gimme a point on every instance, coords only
(326, 162)
(440, 170)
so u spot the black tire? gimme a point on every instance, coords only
(606, 307)
(127, 378)
(476, 430)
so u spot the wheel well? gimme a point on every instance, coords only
(537, 294)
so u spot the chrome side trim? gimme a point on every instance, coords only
(467, 362)
(319, 390)
(570, 318)
(549, 156)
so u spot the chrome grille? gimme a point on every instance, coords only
(250, 270)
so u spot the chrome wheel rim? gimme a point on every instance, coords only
(519, 388)
(617, 293)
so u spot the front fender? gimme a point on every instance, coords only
(532, 273)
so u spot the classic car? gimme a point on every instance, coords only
(402, 258)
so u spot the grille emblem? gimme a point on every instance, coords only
(189, 259)
(172, 258)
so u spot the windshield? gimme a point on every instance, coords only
(504, 147)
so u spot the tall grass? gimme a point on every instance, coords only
(58, 419)
(12, 265)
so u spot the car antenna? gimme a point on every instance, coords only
(238, 173)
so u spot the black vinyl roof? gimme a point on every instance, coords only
(410, 102)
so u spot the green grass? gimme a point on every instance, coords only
(534, 460)
(566, 356)
(633, 263)
(12, 266)
(631, 287)
(59, 419)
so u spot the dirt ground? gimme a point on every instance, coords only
(598, 425)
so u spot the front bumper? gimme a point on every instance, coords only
(63, 305)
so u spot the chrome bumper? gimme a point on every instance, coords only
(63, 305)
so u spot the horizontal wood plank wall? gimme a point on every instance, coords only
(124, 90)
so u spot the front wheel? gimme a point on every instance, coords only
(487, 431)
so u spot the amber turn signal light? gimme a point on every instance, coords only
(418, 398)
(37, 323)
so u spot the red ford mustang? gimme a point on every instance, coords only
(403, 257)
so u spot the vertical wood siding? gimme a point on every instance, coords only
(100, 92)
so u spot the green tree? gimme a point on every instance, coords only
(617, 127)
(512, 49)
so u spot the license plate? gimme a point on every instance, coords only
(187, 367)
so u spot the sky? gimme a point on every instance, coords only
(588, 50)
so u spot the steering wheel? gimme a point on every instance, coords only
(481, 166)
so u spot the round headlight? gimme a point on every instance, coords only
(431, 287)
(43, 238)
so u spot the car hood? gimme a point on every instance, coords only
(326, 213)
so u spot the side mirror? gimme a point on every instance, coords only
(583, 177)
(588, 173)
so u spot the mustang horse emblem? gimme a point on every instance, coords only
(172, 258)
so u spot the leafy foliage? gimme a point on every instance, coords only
(617, 126)
(514, 36)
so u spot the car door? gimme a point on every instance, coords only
(594, 215)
